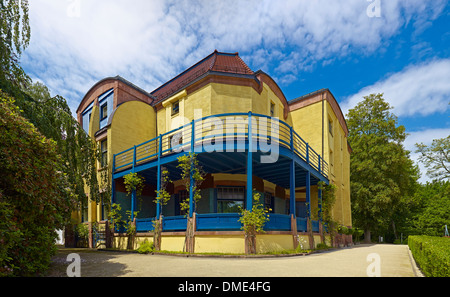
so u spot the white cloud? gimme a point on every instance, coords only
(148, 42)
(426, 137)
(417, 90)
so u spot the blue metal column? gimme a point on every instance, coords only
(250, 164)
(320, 205)
(191, 179)
(158, 176)
(113, 183)
(133, 194)
(133, 203)
(292, 188)
(292, 177)
(308, 192)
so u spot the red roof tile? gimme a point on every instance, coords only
(217, 61)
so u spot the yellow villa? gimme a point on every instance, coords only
(247, 136)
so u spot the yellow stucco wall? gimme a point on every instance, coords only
(173, 243)
(133, 122)
(307, 121)
(229, 244)
(226, 244)
(216, 98)
(273, 243)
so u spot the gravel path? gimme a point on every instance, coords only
(376, 260)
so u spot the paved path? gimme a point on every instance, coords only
(393, 260)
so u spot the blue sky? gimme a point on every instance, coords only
(353, 47)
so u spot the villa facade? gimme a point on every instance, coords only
(247, 136)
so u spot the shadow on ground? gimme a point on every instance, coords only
(93, 263)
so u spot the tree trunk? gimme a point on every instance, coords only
(157, 235)
(312, 244)
(395, 229)
(250, 243)
(189, 240)
(367, 236)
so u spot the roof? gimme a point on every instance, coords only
(312, 98)
(309, 95)
(216, 62)
(118, 78)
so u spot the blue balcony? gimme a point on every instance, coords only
(239, 147)
(267, 132)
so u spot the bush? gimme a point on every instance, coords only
(322, 246)
(432, 254)
(34, 195)
(145, 247)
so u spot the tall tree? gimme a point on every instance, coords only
(436, 158)
(35, 197)
(15, 35)
(79, 153)
(381, 172)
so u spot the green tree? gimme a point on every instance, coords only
(79, 153)
(35, 196)
(162, 198)
(253, 222)
(190, 167)
(436, 158)
(431, 211)
(328, 201)
(381, 172)
(15, 34)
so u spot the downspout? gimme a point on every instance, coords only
(322, 129)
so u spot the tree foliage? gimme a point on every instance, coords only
(134, 182)
(79, 153)
(35, 196)
(431, 209)
(162, 196)
(253, 221)
(189, 165)
(15, 36)
(436, 158)
(381, 172)
(65, 157)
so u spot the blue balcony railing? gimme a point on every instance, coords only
(231, 128)
(224, 222)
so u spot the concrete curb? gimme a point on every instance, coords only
(416, 269)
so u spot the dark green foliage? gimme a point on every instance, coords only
(381, 172)
(430, 210)
(35, 196)
(15, 36)
(436, 158)
(432, 254)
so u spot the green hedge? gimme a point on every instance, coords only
(432, 254)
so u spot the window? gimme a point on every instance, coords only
(272, 109)
(84, 212)
(104, 111)
(229, 199)
(175, 107)
(105, 204)
(86, 117)
(86, 121)
(301, 209)
(268, 202)
(104, 152)
(106, 103)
